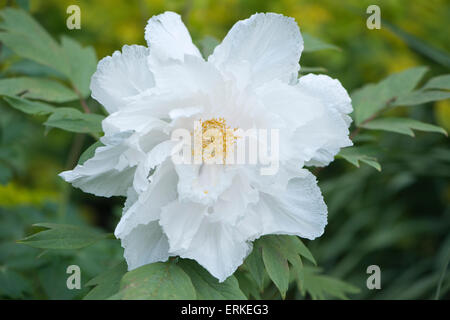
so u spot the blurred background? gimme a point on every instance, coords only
(398, 219)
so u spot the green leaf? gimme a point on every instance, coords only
(420, 46)
(107, 283)
(276, 264)
(12, 284)
(29, 107)
(156, 281)
(439, 82)
(356, 154)
(89, 152)
(420, 97)
(305, 69)
(294, 244)
(207, 287)
(82, 63)
(373, 98)
(207, 45)
(63, 236)
(24, 35)
(6, 173)
(31, 68)
(73, 120)
(320, 286)
(314, 44)
(36, 88)
(255, 265)
(402, 125)
(248, 285)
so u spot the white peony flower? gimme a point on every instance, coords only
(212, 212)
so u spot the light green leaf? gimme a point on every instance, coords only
(23, 35)
(82, 63)
(373, 98)
(207, 287)
(207, 45)
(402, 125)
(29, 107)
(314, 44)
(156, 281)
(73, 120)
(356, 154)
(37, 88)
(63, 236)
(107, 283)
(89, 152)
(420, 97)
(276, 264)
(305, 69)
(439, 82)
(319, 286)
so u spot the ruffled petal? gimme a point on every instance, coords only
(121, 76)
(323, 137)
(180, 222)
(299, 210)
(110, 172)
(161, 191)
(168, 38)
(218, 247)
(264, 47)
(145, 244)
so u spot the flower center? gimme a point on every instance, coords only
(213, 141)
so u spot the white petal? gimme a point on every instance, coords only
(271, 43)
(299, 210)
(168, 38)
(189, 76)
(145, 244)
(203, 183)
(121, 76)
(180, 222)
(325, 136)
(160, 192)
(219, 248)
(110, 172)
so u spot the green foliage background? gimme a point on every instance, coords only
(398, 218)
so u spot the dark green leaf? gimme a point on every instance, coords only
(107, 283)
(402, 125)
(254, 263)
(156, 281)
(320, 286)
(276, 264)
(207, 287)
(62, 236)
